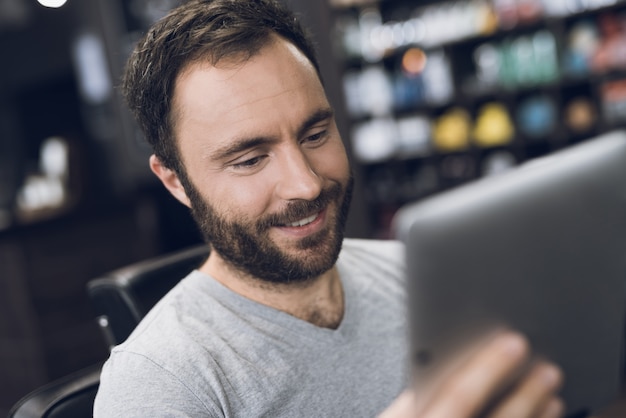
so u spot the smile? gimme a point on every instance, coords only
(304, 221)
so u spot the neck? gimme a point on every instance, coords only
(318, 301)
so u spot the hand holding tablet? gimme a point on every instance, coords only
(469, 391)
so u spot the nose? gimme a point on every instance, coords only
(297, 179)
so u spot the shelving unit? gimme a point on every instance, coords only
(442, 93)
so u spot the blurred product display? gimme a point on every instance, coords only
(537, 116)
(444, 92)
(580, 115)
(452, 130)
(493, 126)
(47, 188)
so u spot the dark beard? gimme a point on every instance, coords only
(246, 247)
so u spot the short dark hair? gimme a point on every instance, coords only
(199, 30)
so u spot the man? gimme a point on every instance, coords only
(285, 318)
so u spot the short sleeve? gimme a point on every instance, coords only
(132, 385)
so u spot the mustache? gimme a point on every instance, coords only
(301, 208)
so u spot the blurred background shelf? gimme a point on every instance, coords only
(439, 93)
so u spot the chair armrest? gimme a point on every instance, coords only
(70, 396)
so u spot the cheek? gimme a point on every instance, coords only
(242, 198)
(245, 199)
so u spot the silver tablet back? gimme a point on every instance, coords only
(541, 249)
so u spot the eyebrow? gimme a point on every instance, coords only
(239, 145)
(315, 118)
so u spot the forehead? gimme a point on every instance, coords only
(278, 86)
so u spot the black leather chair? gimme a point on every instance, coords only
(69, 397)
(123, 297)
(120, 299)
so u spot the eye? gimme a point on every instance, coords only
(316, 137)
(249, 163)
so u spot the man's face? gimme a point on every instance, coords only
(267, 176)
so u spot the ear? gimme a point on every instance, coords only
(170, 180)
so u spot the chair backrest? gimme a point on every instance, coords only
(71, 396)
(122, 297)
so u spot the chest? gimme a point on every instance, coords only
(357, 378)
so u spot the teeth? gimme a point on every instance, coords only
(304, 221)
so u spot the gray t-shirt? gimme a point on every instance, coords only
(207, 351)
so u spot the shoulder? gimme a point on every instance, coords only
(157, 367)
(134, 385)
(373, 273)
(374, 251)
(373, 260)
(178, 328)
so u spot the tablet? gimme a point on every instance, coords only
(540, 249)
